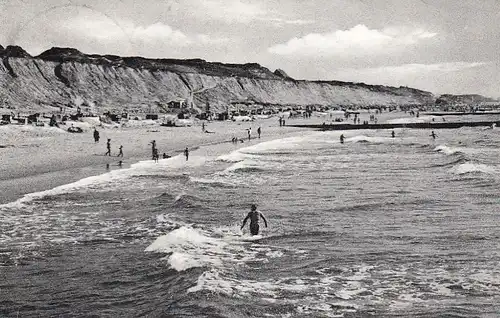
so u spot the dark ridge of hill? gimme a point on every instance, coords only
(251, 70)
(13, 51)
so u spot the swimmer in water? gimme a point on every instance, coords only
(254, 215)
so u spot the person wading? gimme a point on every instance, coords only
(254, 216)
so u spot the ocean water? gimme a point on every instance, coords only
(377, 226)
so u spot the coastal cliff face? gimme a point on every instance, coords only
(63, 77)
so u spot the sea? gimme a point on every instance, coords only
(374, 227)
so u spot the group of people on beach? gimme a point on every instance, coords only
(235, 140)
(156, 157)
(108, 144)
(154, 149)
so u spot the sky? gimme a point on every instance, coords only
(442, 46)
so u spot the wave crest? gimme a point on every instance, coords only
(469, 167)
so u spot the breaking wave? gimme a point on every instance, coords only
(469, 167)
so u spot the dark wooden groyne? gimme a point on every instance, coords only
(429, 125)
(460, 113)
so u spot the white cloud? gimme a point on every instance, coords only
(107, 30)
(357, 41)
(113, 31)
(158, 31)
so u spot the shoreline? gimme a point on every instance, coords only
(57, 166)
(35, 159)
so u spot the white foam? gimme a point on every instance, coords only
(362, 138)
(182, 262)
(250, 238)
(442, 290)
(472, 167)
(179, 196)
(347, 294)
(67, 188)
(163, 218)
(273, 145)
(219, 178)
(146, 167)
(221, 248)
(211, 278)
(189, 248)
(214, 281)
(241, 165)
(447, 150)
(180, 239)
(234, 156)
(274, 254)
(407, 120)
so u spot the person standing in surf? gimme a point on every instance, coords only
(254, 215)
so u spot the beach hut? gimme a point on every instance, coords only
(177, 103)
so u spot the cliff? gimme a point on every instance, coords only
(67, 77)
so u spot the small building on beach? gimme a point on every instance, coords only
(178, 103)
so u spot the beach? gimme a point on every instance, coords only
(39, 158)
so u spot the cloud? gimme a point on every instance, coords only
(357, 41)
(107, 30)
(114, 31)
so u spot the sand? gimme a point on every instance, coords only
(38, 158)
